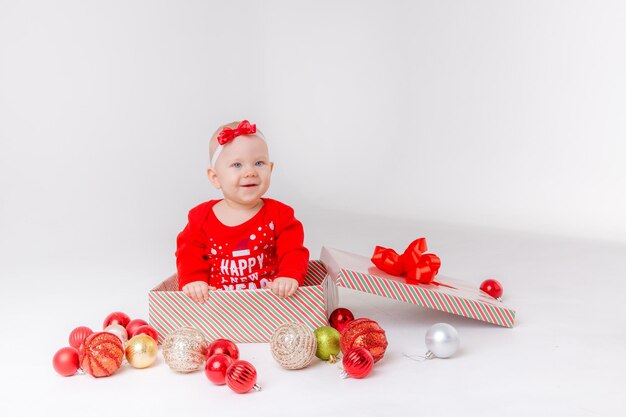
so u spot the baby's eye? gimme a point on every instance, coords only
(259, 163)
(236, 165)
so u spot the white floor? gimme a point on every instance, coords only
(565, 356)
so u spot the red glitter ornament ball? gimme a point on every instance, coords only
(340, 317)
(133, 325)
(65, 361)
(492, 287)
(223, 346)
(78, 336)
(358, 362)
(364, 333)
(241, 377)
(117, 317)
(147, 329)
(216, 366)
(101, 354)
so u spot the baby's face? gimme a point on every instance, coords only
(243, 170)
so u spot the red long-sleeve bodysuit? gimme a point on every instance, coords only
(246, 256)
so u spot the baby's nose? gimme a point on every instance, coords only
(251, 172)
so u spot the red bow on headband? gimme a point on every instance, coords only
(227, 134)
(415, 265)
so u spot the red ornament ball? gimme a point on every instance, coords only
(65, 361)
(358, 362)
(364, 333)
(223, 346)
(241, 377)
(492, 287)
(101, 354)
(78, 336)
(117, 317)
(216, 366)
(340, 317)
(147, 329)
(132, 326)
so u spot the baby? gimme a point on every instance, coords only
(243, 241)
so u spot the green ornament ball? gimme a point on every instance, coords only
(328, 342)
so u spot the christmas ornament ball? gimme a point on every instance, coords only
(119, 331)
(101, 354)
(328, 342)
(223, 346)
(184, 350)
(65, 361)
(358, 362)
(132, 326)
(339, 318)
(117, 317)
(147, 329)
(241, 377)
(141, 351)
(442, 340)
(492, 287)
(78, 336)
(293, 345)
(216, 367)
(364, 333)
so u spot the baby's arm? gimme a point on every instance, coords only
(191, 262)
(293, 257)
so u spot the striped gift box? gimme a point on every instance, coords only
(244, 316)
(464, 299)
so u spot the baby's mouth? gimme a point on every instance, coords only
(249, 185)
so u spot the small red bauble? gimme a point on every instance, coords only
(364, 333)
(78, 336)
(340, 317)
(117, 317)
(492, 287)
(224, 346)
(132, 326)
(101, 354)
(241, 377)
(65, 361)
(358, 362)
(216, 366)
(147, 329)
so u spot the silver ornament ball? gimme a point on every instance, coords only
(119, 331)
(442, 340)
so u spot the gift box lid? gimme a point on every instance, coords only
(450, 295)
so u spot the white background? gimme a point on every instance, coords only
(494, 128)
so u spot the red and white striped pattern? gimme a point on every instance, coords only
(464, 299)
(241, 316)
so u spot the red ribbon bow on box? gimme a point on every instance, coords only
(415, 265)
(227, 134)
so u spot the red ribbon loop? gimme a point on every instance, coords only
(415, 265)
(227, 134)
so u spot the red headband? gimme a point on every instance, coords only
(227, 134)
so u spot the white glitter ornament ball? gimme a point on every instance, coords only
(293, 345)
(184, 350)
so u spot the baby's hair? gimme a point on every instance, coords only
(213, 141)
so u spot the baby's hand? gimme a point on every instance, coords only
(284, 287)
(198, 291)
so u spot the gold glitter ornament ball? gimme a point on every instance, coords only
(184, 350)
(141, 351)
(293, 345)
